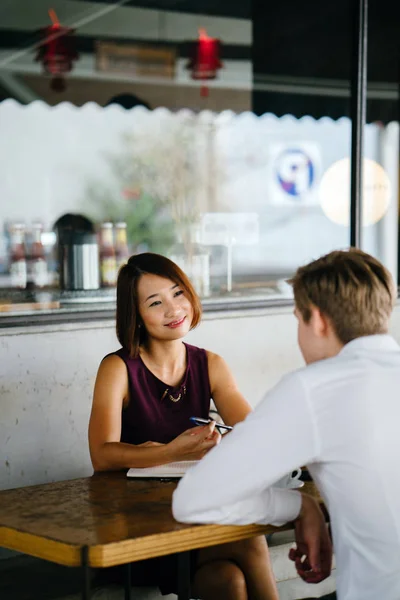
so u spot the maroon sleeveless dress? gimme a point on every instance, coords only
(159, 413)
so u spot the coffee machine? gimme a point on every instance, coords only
(78, 253)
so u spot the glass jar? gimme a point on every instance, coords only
(194, 259)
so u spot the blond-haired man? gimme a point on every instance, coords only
(340, 415)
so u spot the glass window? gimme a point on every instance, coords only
(381, 170)
(218, 134)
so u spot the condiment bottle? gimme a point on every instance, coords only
(37, 266)
(121, 245)
(108, 264)
(18, 269)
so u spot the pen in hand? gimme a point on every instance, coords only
(219, 426)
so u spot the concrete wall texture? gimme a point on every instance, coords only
(47, 376)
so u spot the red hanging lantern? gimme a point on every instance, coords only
(205, 61)
(57, 51)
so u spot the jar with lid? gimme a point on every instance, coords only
(108, 263)
(18, 270)
(121, 245)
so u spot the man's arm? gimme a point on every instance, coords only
(232, 483)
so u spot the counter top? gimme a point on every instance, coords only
(55, 306)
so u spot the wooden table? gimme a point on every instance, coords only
(108, 520)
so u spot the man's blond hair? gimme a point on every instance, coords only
(353, 289)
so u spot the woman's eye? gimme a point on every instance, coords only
(179, 293)
(155, 303)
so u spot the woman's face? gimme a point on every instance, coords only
(165, 311)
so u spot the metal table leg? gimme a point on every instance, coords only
(127, 581)
(85, 573)
(184, 576)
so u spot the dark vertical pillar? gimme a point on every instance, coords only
(184, 576)
(358, 116)
(127, 582)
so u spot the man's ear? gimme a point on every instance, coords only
(319, 322)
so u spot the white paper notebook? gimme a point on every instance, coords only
(167, 471)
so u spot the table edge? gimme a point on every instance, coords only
(35, 545)
(162, 544)
(131, 550)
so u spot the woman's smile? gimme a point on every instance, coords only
(175, 324)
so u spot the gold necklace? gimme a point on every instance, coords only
(171, 397)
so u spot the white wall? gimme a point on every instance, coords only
(47, 377)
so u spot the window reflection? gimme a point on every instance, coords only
(142, 148)
(233, 198)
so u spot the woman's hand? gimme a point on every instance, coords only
(194, 443)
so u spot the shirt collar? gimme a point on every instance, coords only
(377, 342)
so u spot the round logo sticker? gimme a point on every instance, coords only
(295, 172)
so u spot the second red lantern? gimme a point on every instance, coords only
(205, 60)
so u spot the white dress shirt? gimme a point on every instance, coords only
(341, 417)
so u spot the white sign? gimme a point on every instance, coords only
(227, 229)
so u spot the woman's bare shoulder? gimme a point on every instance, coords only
(111, 380)
(214, 359)
(112, 363)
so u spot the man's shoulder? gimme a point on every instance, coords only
(321, 372)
